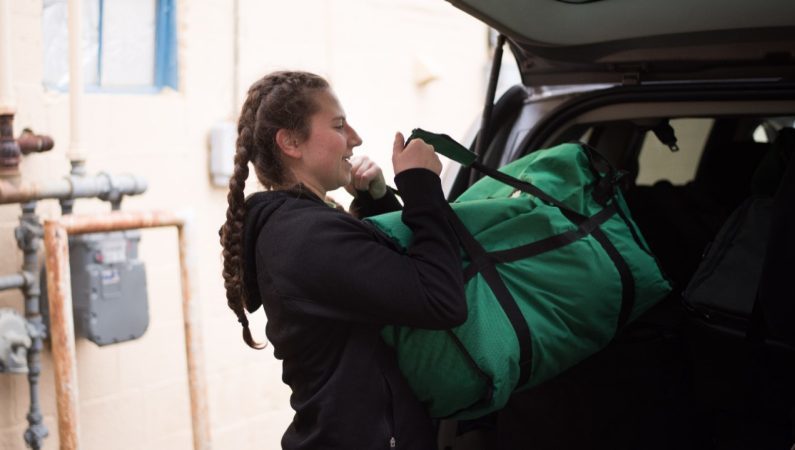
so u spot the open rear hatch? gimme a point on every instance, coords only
(632, 41)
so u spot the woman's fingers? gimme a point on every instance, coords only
(399, 144)
(366, 175)
(416, 154)
(361, 166)
(373, 181)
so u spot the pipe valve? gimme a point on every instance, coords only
(14, 342)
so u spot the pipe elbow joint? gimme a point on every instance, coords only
(30, 142)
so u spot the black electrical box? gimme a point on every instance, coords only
(109, 297)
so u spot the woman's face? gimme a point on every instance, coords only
(324, 164)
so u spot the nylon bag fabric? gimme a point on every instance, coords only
(576, 273)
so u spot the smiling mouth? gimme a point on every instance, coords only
(347, 159)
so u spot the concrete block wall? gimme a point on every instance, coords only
(134, 395)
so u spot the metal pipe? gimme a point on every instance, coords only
(193, 347)
(15, 281)
(9, 149)
(101, 185)
(62, 336)
(76, 152)
(28, 235)
(59, 290)
(7, 103)
(30, 142)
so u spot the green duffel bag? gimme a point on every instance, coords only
(554, 267)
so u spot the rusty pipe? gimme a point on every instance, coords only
(55, 241)
(72, 187)
(9, 148)
(29, 142)
(119, 221)
(62, 336)
(191, 313)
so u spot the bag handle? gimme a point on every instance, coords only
(447, 146)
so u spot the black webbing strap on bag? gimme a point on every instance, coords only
(625, 274)
(523, 186)
(485, 266)
(583, 223)
(485, 263)
(547, 244)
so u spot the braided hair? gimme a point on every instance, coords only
(280, 100)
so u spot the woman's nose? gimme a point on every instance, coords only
(353, 137)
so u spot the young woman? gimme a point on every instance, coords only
(328, 281)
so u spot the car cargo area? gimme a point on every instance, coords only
(677, 377)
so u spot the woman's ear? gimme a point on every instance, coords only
(288, 143)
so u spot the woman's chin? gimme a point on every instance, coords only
(345, 181)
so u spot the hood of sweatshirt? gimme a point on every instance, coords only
(260, 207)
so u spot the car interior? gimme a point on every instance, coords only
(674, 379)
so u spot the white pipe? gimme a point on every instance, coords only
(236, 60)
(76, 152)
(7, 103)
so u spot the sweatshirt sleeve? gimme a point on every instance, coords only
(332, 265)
(364, 205)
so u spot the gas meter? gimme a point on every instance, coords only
(109, 297)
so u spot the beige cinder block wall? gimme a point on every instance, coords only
(395, 65)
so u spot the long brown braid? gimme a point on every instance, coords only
(280, 100)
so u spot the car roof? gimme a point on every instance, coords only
(630, 41)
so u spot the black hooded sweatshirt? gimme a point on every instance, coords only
(328, 283)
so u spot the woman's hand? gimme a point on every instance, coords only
(366, 176)
(417, 154)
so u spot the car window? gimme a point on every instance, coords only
(657, 162)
